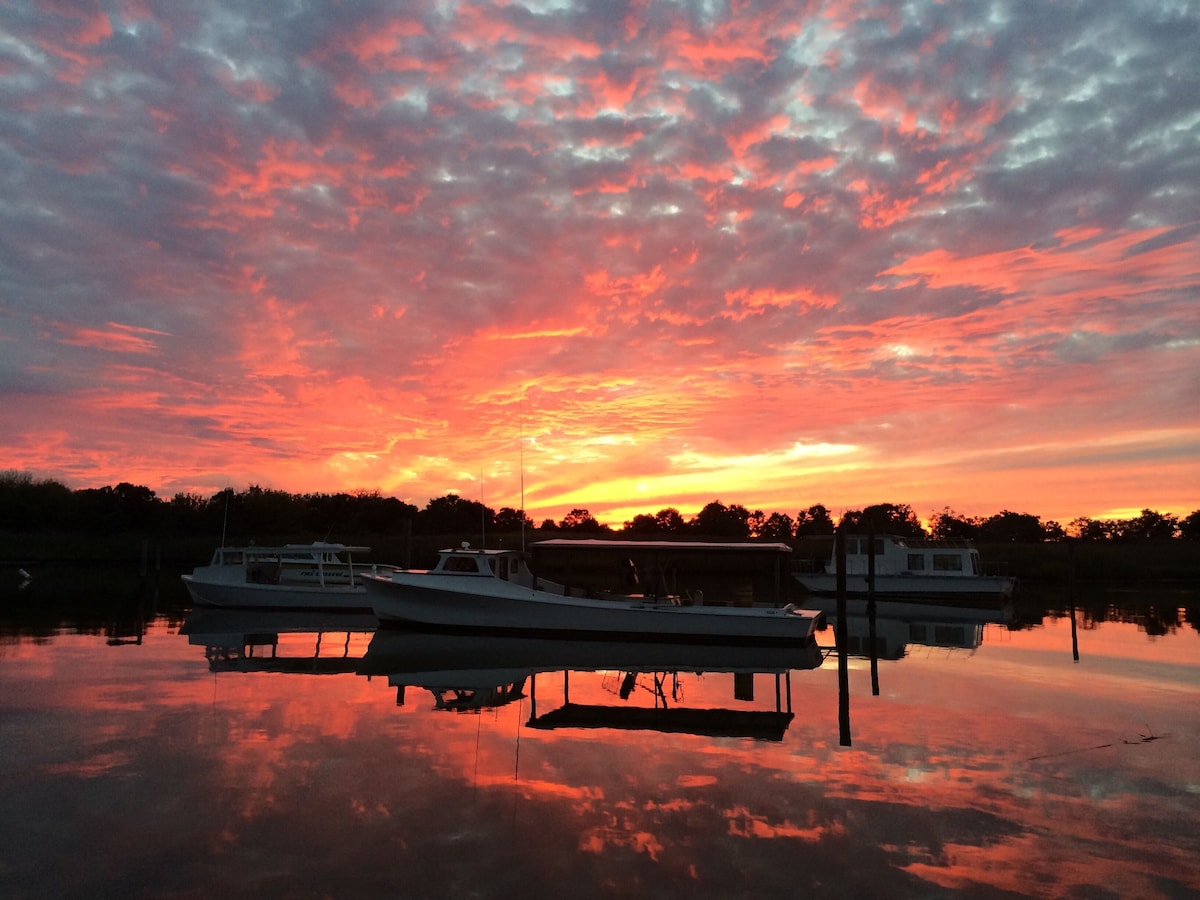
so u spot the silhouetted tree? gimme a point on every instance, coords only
(187, 513)
(1011, 527)
(372, 513)
(884, 518)
(509, 519)
(641, 524)
(121, 508)
(665, 521)
(1090, 529)
(1149, 526)
(581, 520)
(452, 514)
(28, 504)
(814, 522)
(948, 525)
(1189, 528)
(265, 511)
(670, 520)
(777, 527)
(718, 520)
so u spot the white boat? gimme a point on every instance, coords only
(295, 576)
(911, 568)
(494, 591)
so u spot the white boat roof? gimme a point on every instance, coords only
(314, 547)
(481, 550)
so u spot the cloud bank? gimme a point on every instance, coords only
(634, 254)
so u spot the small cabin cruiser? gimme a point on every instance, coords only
(294, 576)
(910, 568)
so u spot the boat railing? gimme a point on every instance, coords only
(938, 543)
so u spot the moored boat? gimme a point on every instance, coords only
(494, 591)
(910, 568)
(294, 576)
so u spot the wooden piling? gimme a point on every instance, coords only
(839, 544)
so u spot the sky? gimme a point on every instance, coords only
(607, 256)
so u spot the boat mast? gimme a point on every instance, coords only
(521, 465)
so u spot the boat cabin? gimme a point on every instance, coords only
(316, 563)
(895, 555)
(506, 565)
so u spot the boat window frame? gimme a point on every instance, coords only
(947, 562)
(461, 565)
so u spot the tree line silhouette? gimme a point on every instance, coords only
(28, 504)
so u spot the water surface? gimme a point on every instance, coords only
(151, 763)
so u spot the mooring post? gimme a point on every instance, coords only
(1071, 597)
(839, 553)
(871, 613)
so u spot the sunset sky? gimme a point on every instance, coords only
(623, 255)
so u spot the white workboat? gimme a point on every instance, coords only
(911, 568)
(294, 576)
(494, 591)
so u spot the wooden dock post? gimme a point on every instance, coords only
(839, 544)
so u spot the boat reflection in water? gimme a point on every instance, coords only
(900, 624)
(299, 641)
(475, 672)
(470, 673)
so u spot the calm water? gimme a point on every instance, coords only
(218, 763)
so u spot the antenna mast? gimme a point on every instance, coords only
(522, 466)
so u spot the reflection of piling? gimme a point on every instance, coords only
(839, 545)
(1071, 598)
(871, 614)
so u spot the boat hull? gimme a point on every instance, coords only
(914, 587)
(474, 604)
(225, 595)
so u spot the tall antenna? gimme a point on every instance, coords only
(522, 465)
(482, 515)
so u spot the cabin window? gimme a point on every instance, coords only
(916, 562)
(947, 562)
(460, 564)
